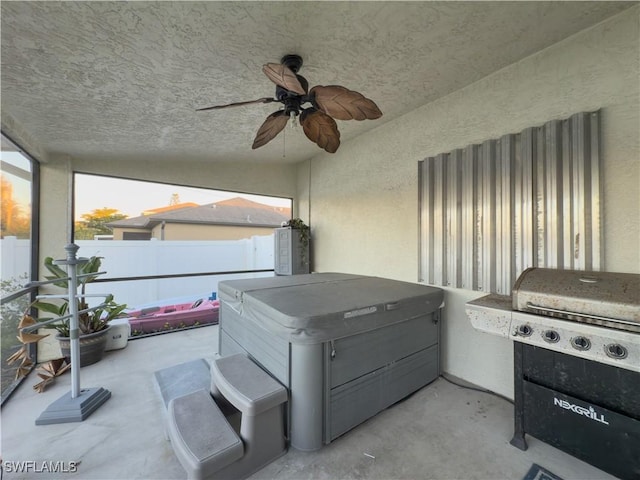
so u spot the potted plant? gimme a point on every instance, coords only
(303, 228)
(93, 323)
(292, 248)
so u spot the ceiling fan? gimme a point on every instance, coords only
(316, 108)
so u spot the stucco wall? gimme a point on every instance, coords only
(362, 202)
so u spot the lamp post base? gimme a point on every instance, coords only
(67, 409)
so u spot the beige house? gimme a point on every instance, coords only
(232, 219)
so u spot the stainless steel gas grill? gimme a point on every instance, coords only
(576, 362)
(597, 298)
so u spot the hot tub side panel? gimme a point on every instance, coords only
(368, 373)
(356, 355)
(241, 334)
(337, 385)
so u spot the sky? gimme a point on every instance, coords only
(132, 197)
(21, 187)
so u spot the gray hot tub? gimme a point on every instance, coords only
(345, 346)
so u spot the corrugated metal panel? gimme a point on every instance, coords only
(425, 225)
(504, 214)
(468, 206)
(553, 257)
(439, 229)
(532, 199)
(454, 218)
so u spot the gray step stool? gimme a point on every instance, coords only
(204, 441)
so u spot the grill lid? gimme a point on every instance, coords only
(601, 298)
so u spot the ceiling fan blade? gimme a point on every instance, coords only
(271, 127)
(285, 77)
(239, 104)
(344, 104)
(321, 129)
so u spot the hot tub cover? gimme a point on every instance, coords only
(317, 307)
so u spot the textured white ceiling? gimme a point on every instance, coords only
(100, 79)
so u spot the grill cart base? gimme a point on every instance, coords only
(585, 408)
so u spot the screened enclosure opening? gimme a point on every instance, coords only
(18, 247)
(171, 243)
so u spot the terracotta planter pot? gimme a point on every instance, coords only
(92, 346)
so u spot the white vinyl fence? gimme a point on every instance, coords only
(130, 258)
(16, 257)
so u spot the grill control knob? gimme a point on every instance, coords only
(615, 350)
(551, 336)
(581, 343)
(524, 331)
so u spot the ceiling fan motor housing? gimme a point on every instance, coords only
(291, 101)
(293, 62)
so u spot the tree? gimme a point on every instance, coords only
(94, 223)
(15, 219)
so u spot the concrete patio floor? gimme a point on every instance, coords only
(441, 432)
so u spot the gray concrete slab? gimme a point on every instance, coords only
(441, 432)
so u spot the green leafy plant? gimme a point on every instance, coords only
(88, 322)
(305, 231)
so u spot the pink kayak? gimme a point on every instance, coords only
(170, 317)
